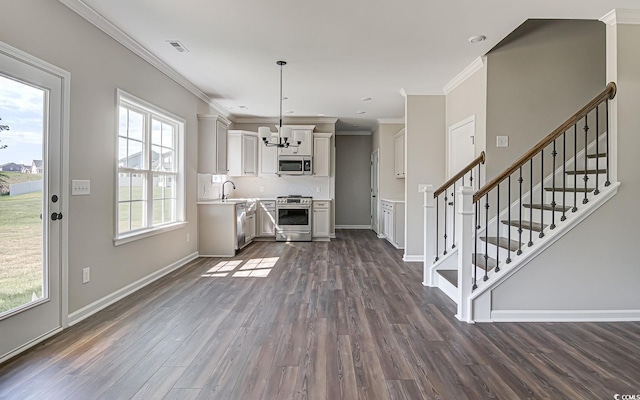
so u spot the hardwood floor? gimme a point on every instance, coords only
(340, 320)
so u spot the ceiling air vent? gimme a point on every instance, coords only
(178, 46)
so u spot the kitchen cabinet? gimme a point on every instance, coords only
(321, 154)
(267, 218)
(242, 153)
(399, 154)
(268, 164)
(212, 144)
(392, 222)
(321, 219)
(218, 228)
(303, 134)
(250, 221)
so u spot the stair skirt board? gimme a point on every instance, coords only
(563, 316)
(529, 253)
(448, 261)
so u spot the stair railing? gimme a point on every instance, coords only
(525, 215)
(440, 214)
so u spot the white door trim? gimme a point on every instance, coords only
(65, 78)
(471, 119)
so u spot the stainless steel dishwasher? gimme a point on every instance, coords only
(241, 215)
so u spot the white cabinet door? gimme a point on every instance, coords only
(321, 222)
(250, 155)
(391, 233)
(399, 155)
(321, 154)
(212, 144)
(267, 218)
(250, 227)
(268, 160)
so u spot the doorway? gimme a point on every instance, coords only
(375, 183)
(33, 205)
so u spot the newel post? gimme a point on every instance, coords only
(429, 233)
(465, 250)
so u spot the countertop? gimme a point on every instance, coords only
(392, 200)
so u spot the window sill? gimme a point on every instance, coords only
(148, 233)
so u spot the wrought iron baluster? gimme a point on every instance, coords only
(575, 168)
(586, 141)
(497, 227)
(553, 193)
(444, 253)
(597, 191)
(520, 180)
(564, 176)
(453, 195)
(486, 233)
(509, 219)
(475, 253)
(608, 182)
(554, 153)
(530, 203)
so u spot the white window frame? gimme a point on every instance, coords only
(132, 102)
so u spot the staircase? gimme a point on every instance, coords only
(496, 230)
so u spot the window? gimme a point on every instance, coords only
(150, 183)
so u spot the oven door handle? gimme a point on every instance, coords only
(296, 207)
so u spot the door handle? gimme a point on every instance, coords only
(56, 216)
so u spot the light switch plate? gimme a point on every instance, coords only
(502, 141)
(80, 187)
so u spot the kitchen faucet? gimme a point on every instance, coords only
(227, 196)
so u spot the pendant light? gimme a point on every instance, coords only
(283, 133)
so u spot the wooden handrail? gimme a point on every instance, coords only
(459, 175)
(607, 94)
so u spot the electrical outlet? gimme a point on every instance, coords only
(188, 237)
(86, 275)
(318, 189)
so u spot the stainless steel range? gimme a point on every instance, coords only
(293, 218)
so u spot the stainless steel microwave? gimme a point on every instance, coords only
(294, 165)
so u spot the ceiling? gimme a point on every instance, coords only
(339, 52)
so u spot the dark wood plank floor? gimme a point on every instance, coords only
(340, 320)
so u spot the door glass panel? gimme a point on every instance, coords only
(22, 270)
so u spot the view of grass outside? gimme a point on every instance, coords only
(21, 250)
(132, 204)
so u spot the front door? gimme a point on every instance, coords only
(32, 104)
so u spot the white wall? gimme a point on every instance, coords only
(594, 267)
(425, 163)
(98, 66)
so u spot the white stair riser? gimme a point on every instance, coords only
(579, 180)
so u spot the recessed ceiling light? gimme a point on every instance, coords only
(361, 112)
(285, 98)
(290, 112)
(366, 99)
(321, 115)
(477, 39)
(178, 46)
(242, 107)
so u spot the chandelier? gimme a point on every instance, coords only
(283, 133)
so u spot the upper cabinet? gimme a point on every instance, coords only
(268, 159)
(302, 134)
(399, 154)
(242, 153)
(212, 144)
(321, 154)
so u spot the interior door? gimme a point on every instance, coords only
(375, 204)
(32, 101)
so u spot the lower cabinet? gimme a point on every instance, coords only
(266, 218)
(250, 227)
(321, 219)
(392, 222)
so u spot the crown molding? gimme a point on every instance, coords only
(93, 17)
(288, 121)
(466, 73)
(391, 121)
(622, 16)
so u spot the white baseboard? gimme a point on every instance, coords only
(564, 315)
(413, 258)
(106, 301)
(353, 226)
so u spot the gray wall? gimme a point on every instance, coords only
(593, 267)
(537, 78)
(425, 163)
(353, 180)
(98, 65)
